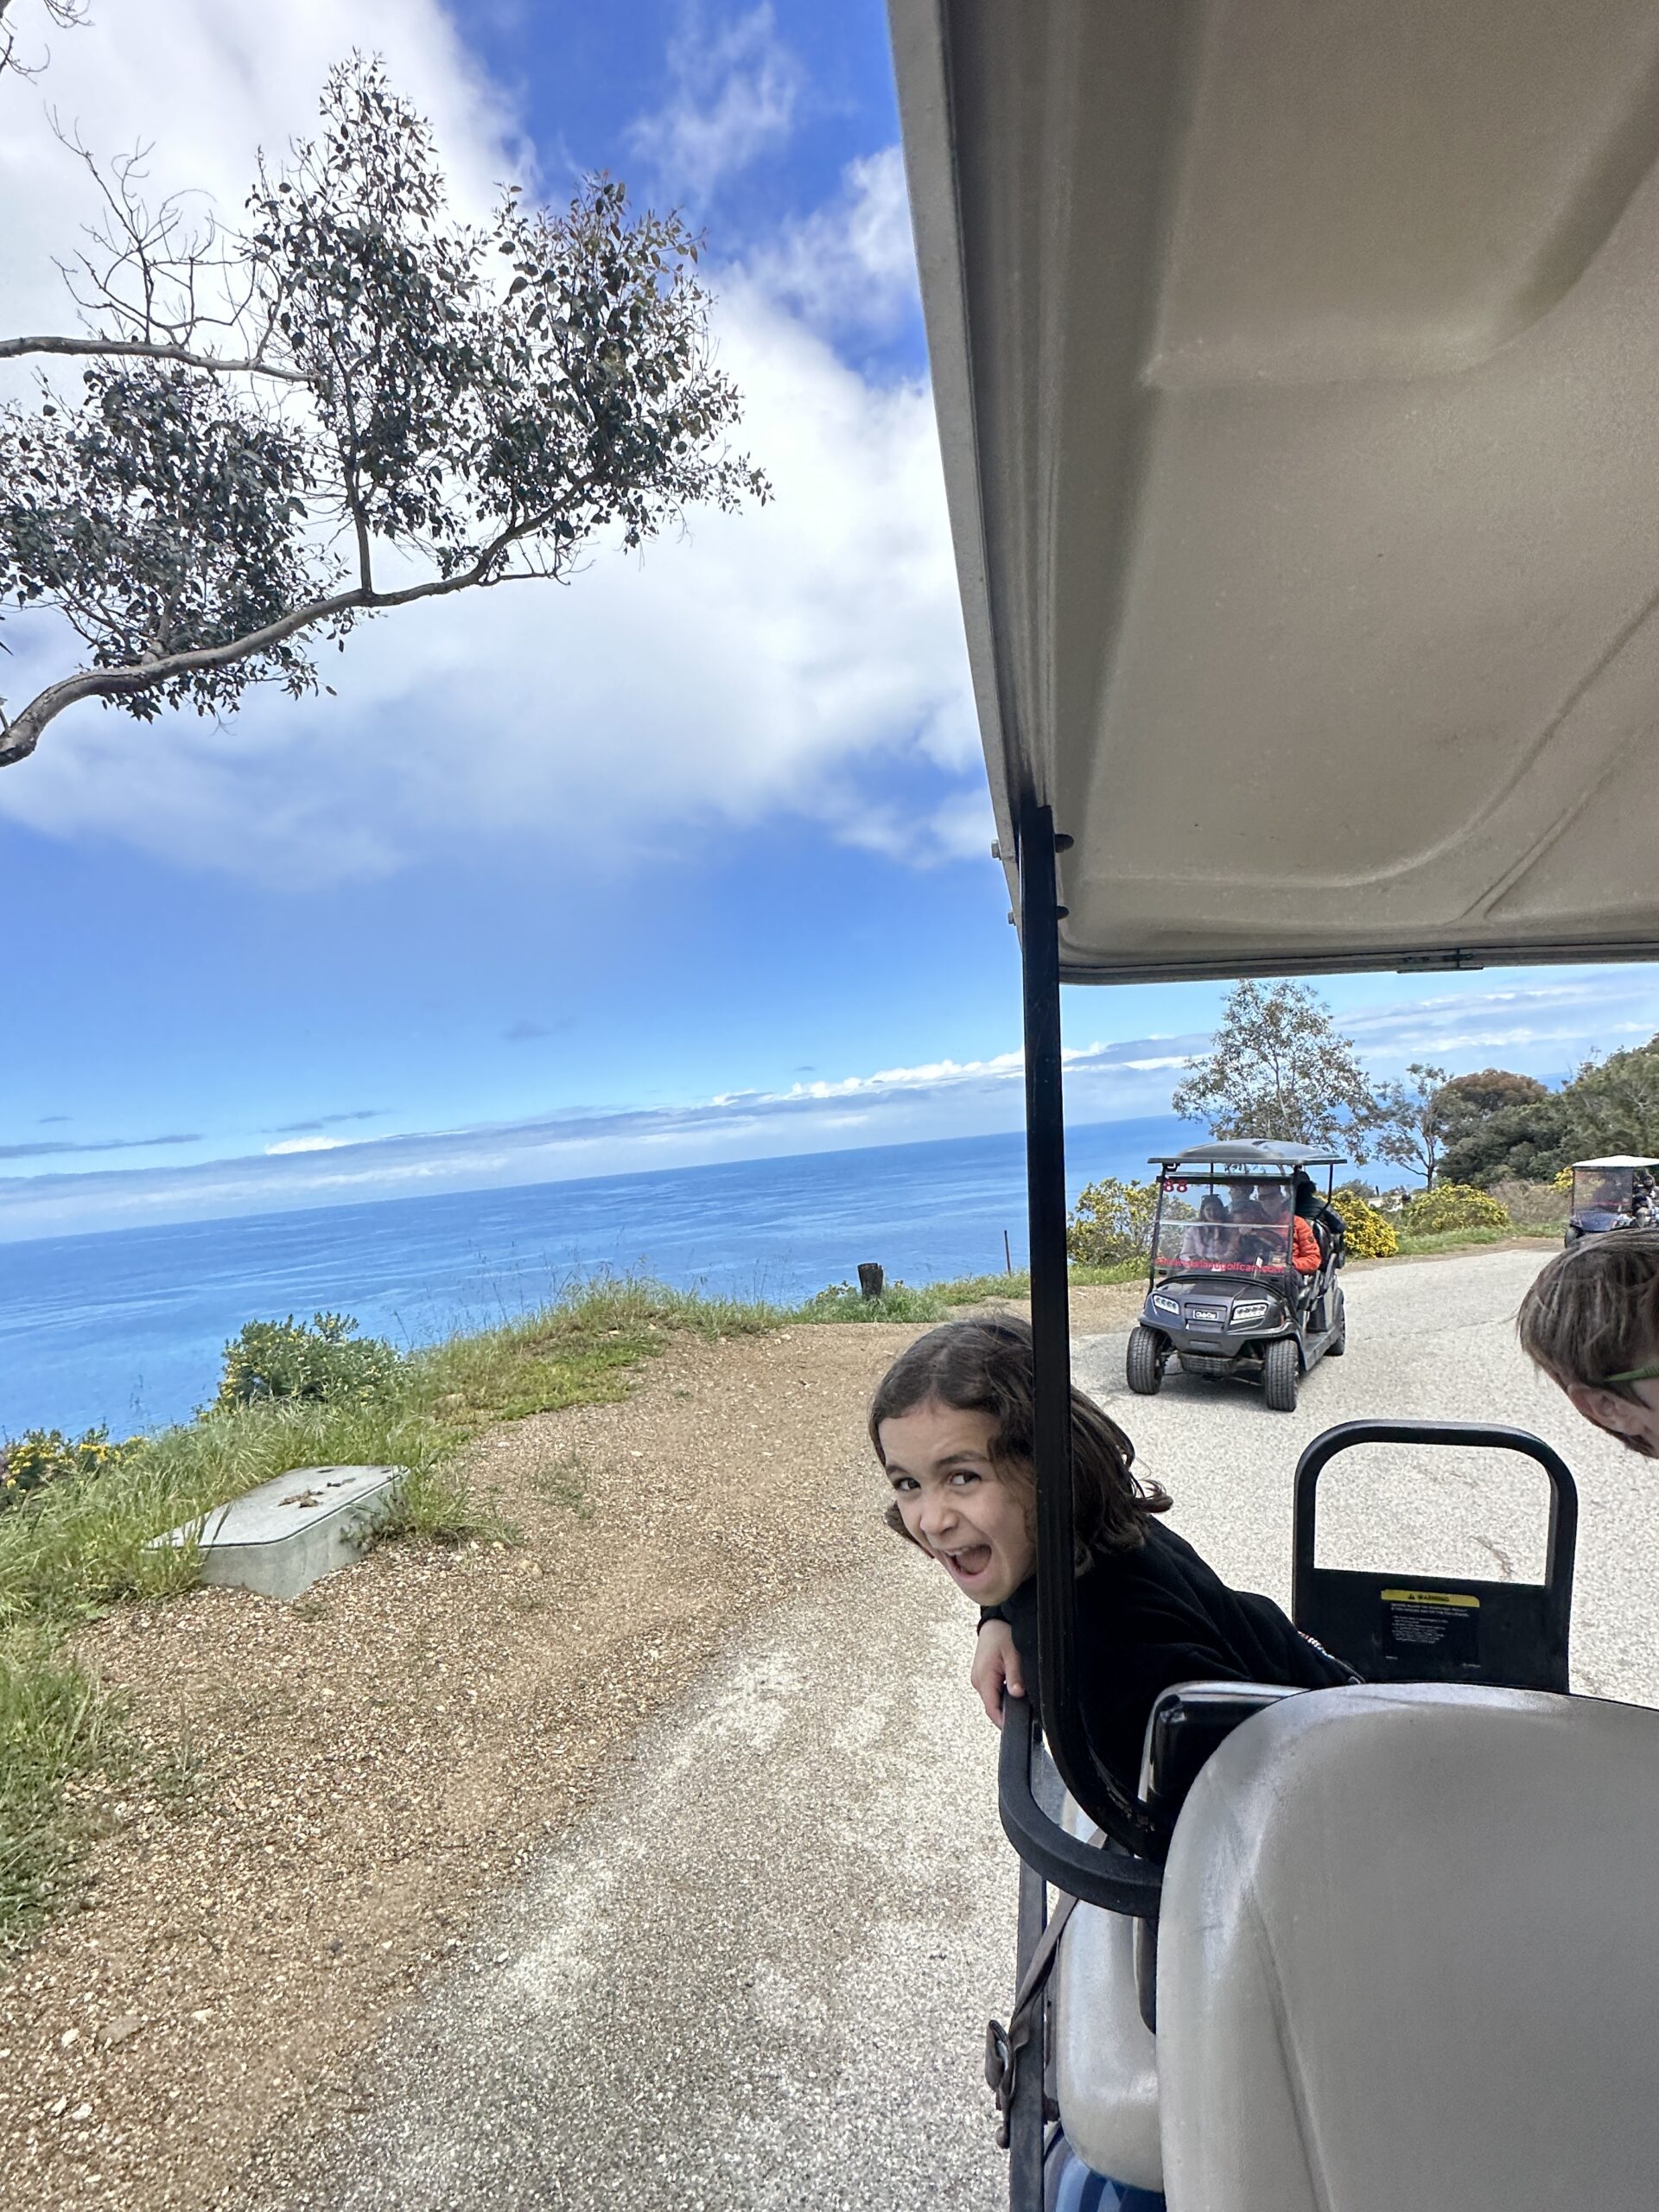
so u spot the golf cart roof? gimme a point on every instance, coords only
(1253, 1152)
(1618, 1159)
(1297, 382)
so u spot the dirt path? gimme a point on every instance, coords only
(369, 1766)
(365, 1771)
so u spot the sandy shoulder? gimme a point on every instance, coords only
(371, 1766)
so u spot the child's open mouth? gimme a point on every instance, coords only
(969, 1565)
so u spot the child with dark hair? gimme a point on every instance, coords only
(951, 1424)
(1590, 1321)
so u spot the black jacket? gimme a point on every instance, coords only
(1155, 1615)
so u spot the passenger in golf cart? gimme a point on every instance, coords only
(1243, 1275)
(1617, 1192)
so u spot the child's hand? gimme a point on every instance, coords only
(996, 1668)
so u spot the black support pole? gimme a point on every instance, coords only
(1026, 2113)
(1051, 1317)
(1122, 1816)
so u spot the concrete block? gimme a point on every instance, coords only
(288, 1534)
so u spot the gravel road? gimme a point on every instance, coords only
(757, 1977)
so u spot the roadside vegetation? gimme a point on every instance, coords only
(77, 1514)
(76, 1517)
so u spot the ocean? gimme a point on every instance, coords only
(128, 1329)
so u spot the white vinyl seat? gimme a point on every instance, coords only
(1105, 2057)
(1408, 1959)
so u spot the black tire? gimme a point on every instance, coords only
(1281, 1374)
(1144, 1362)
(1338, 1343)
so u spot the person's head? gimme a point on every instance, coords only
(1590, 1321)
(1308, 1197)
(1275, 1200)
(951, 1424)
(1214, 1208)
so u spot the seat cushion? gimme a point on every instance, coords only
(1105, 2058)
(1409, 1958)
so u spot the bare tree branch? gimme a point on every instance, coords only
(143, 280)
(144, 349)
(20, 736)
(67, 15)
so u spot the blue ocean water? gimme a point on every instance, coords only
(128, 1328)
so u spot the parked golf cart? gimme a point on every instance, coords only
(1617, 1192)
(1298, 394)
(1223, 1295)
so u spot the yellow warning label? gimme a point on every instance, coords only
(1430, 1597)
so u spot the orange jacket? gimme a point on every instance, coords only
(1304, 1247)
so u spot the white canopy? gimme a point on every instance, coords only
(1297, 378)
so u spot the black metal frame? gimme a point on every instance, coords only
(1085, 1774)
(1026, 2113)
(1047, 1853)
(1526, 1625)
(1127, 1884)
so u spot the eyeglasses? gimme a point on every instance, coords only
(1648, 1374)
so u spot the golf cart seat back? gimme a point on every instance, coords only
(1105, 2052)
(1408, 1956)
(1105, 2057)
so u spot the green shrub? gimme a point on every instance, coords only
(40, 1456)
(1112, 1223)
(844, 1301)
(1371, 1235)
(1452, 1205)
(325, 1359)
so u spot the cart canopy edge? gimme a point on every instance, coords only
(1298, 382)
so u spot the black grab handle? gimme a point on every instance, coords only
(1110, 1878)
(1529, 1623)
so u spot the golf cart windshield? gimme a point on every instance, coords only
(1603, 1190)
(1229, 1229)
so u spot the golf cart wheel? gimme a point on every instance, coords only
(1145, 1361)
(1338, 1343)
(1281, 1374)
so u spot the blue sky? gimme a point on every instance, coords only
(687, 862)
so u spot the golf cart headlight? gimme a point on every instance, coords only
(1251, 1309)
(1161, 1305)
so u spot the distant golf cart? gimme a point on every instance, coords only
(1223, 1294)
(1617, 1192)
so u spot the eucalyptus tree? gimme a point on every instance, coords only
(1278, 1066)
(349, 403)
(1409, 1121)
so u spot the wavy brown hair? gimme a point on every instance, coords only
(986, 1367)
(1594, 1313)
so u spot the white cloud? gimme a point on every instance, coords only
(1105, 1081)
(1551, 1024)
(759, 664)
(733, 98)
(851, 262)
(889, 1106)
(206, 84)
(782, 661)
